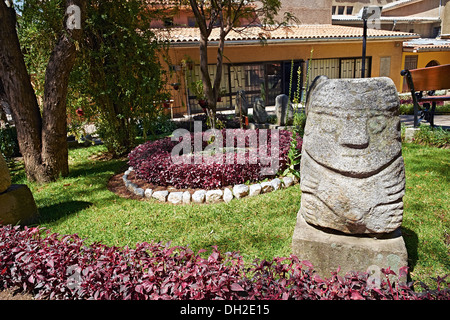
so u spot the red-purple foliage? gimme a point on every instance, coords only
(152, 162)
(52, 266)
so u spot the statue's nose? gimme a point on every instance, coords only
(354, 134)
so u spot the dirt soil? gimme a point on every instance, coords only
(10, 295)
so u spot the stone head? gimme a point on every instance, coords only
(353, 125)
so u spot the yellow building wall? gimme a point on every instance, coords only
(378, 50)
(423, 58)
(443, 57)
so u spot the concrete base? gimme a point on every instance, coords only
(17, 206)
(328, 250)
(409, 133)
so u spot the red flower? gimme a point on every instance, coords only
(79, 112)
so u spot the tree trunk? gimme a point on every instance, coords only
(215, 90)
(20, 94)
(211, 90)
(42, 140)
(54, 116)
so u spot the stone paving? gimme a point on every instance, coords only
(439, 120)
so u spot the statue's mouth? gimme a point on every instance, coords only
(359, 169)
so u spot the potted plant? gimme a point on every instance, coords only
(187, 63)
(196, 88)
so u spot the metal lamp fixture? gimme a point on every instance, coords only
(366, 13)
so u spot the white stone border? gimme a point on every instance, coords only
(209, 196)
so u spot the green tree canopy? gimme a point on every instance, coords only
(119, 73)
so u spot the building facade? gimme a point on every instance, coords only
(327, 40)
(280, 63)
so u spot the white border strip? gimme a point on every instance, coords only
(209, 196)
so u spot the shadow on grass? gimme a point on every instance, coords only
(61, 210)
(411, 242)
(96, 168)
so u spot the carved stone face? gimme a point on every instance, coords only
(353, 127)
(352, 172)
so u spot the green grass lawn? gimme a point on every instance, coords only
(258, 227)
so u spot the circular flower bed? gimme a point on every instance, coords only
(152, 161)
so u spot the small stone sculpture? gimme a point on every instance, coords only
(352, 170)
(259, 111)
(283, 106)
(17, 205)
(241, 104)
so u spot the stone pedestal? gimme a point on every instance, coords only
(409, 133)
(327, 250)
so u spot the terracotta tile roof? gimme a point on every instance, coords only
(295, 33)
(337, 17)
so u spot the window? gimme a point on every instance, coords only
(264, 79)
(411, 62)
(436, 32)
(325, 67)
(273, 82)
(385, 66)
(341, 9)
(349, 10)
(333, 10)
(338, 68)
(432, 63)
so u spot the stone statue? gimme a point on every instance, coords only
(259, 111)
(241, 104)
(352, 170)
(283, 106)
(17, 205)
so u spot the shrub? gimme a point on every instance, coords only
(407, 107)
(152, 162)
(52, 266)
(436, 137)
(9, 146)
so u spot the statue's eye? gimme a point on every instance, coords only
(377, 124)
(328, 124)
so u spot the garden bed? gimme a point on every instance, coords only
(153, 174)
(51, 266)
(259, 227)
